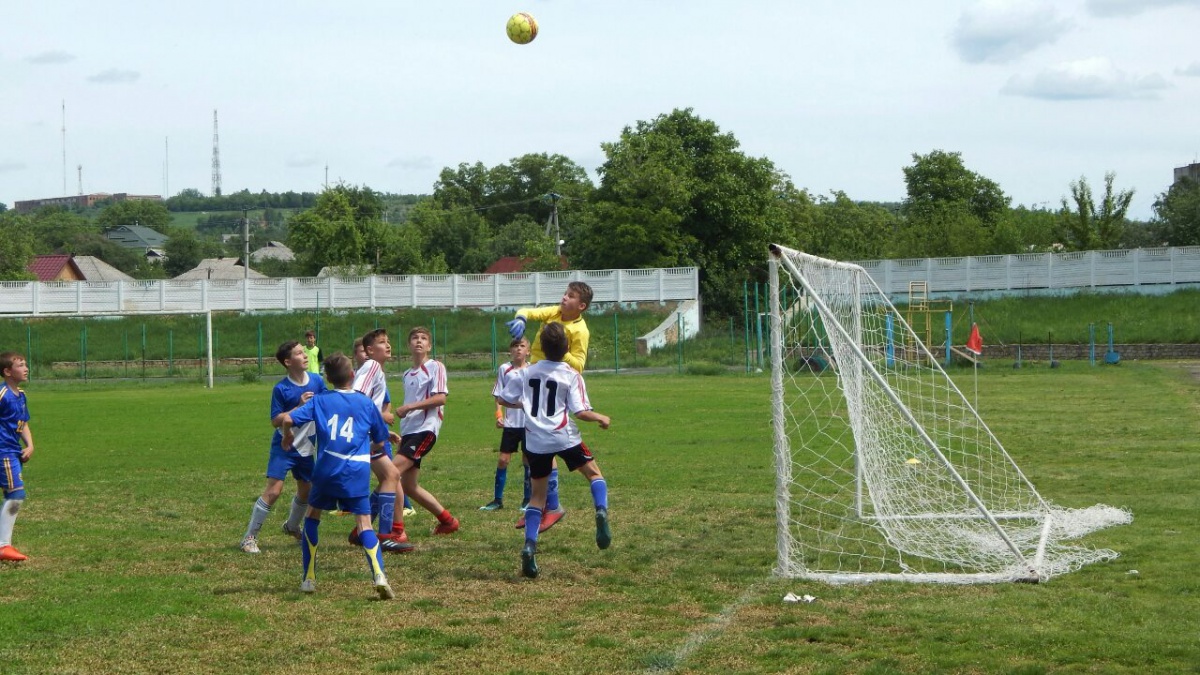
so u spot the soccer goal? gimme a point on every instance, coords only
(884, 470)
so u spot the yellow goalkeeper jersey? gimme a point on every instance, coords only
(577, 335)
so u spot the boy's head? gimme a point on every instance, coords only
(554, 341)
(376, 345)
(339, 370)
(518, 349)
(291, 354)
(310, 338)
(575, 301)
(360, 354)
(419, 340)
(13, 367)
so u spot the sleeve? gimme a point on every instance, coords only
(512, 389)
(304, 414)
(320, 386)
(498, 387)
(277, 402)
(441, 384)
(577, 398)
(539, 313)
(577, 351)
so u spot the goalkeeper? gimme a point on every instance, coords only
(569, 313)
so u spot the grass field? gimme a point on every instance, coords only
(139, 493)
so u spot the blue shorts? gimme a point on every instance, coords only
(359, 506)
(387, 451)
(10, 477)
(283, 461)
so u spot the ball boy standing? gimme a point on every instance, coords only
(14, 431)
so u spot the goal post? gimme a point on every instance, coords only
(884, 470)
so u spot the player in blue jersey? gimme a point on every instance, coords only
(296, 388)
(14, 431)
(349, 429)
(549, 392)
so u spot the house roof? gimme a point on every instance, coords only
(49, 267)
(274, 250)
(95, 269)
(136, 236)
(220, 268)
(510, 264)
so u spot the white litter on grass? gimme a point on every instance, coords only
(1132, 572)
(792, 597)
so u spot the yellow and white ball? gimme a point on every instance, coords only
(522, 28)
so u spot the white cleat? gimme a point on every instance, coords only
(383, 588)
(308, 586)
(250, 545)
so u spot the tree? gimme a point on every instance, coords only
(1178, 210)
(950, 210)
(843, 229)
(1086, 225)
(326, 235)
(151, 214)
(3, 207)
(184, 250)
(16, 246)
(58, 230)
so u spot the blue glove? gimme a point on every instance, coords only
(516, 327)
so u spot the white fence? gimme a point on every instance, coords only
(1132, 269)
(438, 290)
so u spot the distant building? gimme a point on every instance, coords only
(55, 268)
(228, 269)
(274, 250)
(138, 237)
(1191, 171)
(511, 264)
(81, 201)
(95, 269)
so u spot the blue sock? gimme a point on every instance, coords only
(374, 506)
(407, 503)
(370, 544)
(308, 548)
(387, 511)
(600, 493)
(501, 479)
(533, 520)
(552, 491)
(528, 486)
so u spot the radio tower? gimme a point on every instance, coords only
(216, 164)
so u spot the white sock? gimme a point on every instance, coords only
(8, 518)
(257, 515)
(296, 515)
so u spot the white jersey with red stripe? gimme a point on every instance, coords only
(549, 393)
(371, 381)
(420, 383)
(514, 418)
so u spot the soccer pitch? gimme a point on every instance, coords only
(139, 494)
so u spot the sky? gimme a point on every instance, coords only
(838, 94)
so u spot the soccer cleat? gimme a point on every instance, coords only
(10, 554)
(353, 538)
(521, 520)
(549, 518)
(603, 531)
(397, 534)
(529, 566)
(448, 527)
(409, 512)
(494, 505)
(383, 588)
(308, 586)
(293, 533)
(250, 545)
(389, 545)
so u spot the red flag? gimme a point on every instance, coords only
(975, 341)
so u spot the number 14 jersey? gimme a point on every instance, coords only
(549, 392)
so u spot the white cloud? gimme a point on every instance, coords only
(1191, 70)
(8, 165)
(999, 31)
(411, 163)
(115, 76)
(1130, 7)
(52, 58)
(1094, 78)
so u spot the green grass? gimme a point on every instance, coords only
(138, 494)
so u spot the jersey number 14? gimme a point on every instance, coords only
(346, 431)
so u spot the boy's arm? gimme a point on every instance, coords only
(285, 428)
(593, 416)
(424, 404)
(501, 403)
(538, 313)
(576, 356)
(304, 398)
(27, 436)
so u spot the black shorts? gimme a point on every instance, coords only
(512, 439)
(540, 465)
(416, 446)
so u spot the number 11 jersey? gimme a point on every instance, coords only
(549, 392)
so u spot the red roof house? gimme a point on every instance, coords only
(55, 268)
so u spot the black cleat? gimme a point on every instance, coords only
(529, 566)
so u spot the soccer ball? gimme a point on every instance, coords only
(522, 28)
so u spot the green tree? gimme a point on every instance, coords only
(1178, 211)
(58, 229)
(949, 210)
(1025, 230)
(847, 230)
(462, 238)
(184, 250)
(16, 246)
(1087, 225)
(151, 214)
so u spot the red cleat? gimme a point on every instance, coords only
(353, 538)
(448, 527)
(10, 554)
(521, 521)
(397, 535)
(549, 518)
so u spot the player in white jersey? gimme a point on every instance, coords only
(420, 416)
(550, 392)
(371, 381)
(511, 422)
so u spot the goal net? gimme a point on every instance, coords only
(884, 470)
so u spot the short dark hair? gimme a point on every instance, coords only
(554, 341)
(419, 329)
(370, 337)
(285, 351)
(582, 290)
(7, 359)
(309, 334)
(517, 341)
(339, 370)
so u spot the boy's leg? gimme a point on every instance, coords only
(528, 487)
(8, 518)
(533, 521)
(308, 551)
(295, 519)
(554, 510)
(497, 502)
(374, 553)
(409, 476)
(591, 471)
(259, 512)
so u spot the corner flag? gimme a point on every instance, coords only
(975, 341)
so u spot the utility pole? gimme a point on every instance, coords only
(246, 242)
(553, 222)
(216, 160)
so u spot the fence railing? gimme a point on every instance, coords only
(437, 290)
(1083, 269)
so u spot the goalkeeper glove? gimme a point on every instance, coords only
(516, 327)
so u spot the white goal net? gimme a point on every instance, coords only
(885, 470)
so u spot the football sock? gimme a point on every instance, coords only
(258, 514)
(374, 505)
(533, 520)
(407, 503)
(308, 548)
(296, 515)
(8, 518)
(387, 511)
(370, 544)
(444, 516)
(501, 479)
(552, 491)
(528, 486)
(600, 493)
